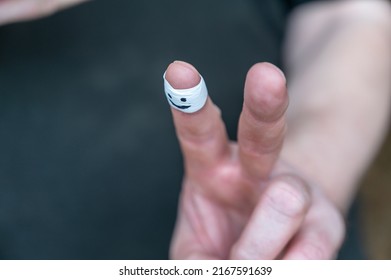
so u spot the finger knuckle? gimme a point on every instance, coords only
(291, 202)
(239, 253)
(314, 251)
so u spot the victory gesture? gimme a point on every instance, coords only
(240, 200)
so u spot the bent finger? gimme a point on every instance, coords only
(275, 220)
(319, 239)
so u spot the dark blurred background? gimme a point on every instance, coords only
(375, 210)
(89, 164)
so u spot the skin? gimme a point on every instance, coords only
(230, 210)
(20, 10)
(280, 193)
(277, 193)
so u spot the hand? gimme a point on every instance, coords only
(21, 10)
(240, 200)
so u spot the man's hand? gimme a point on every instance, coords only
(20, 10)
(240, 200)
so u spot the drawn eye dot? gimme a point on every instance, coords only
(169, 95)
(183, 99)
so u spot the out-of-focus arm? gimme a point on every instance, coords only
(338, 62)
(12, 11)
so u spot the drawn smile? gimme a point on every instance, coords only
(178, 106)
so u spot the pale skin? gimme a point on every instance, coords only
(277, 195)
(282, 191)
(240, 200)
(20, 10)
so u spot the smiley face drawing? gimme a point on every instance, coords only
(183, 99)
(186, 100)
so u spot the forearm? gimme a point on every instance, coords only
(340, 93)
(12, 11)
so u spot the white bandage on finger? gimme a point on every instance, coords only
(188, 100)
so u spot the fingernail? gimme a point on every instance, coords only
(187, 100)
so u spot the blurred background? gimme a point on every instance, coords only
(375, 210)
(89, 164)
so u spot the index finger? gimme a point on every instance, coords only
(202, 135)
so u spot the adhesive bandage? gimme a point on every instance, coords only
(188, 100)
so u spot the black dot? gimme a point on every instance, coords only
(169, 95)
(183, 99)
